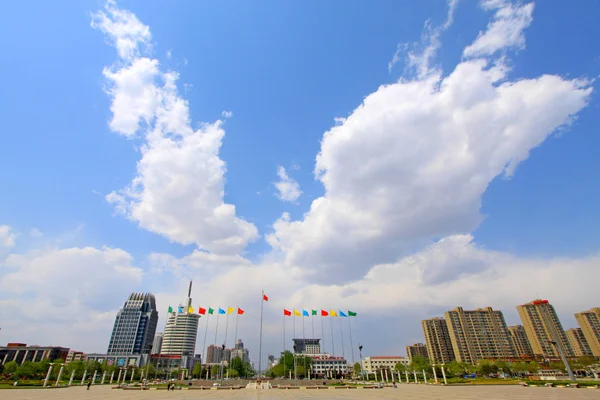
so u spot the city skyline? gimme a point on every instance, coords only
(396, 160)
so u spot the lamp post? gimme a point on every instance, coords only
(222, 363)
(48, 374)
(295, 371)
(149, 360)
(360, 354)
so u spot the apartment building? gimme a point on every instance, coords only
(437, 338)
(543, 329)
(417, 349)
(578, 342)
(589, 322)
(520, 342)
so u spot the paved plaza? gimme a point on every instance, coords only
(416, 392)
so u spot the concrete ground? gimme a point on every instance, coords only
(413, 392)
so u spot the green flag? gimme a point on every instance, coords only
(170, 309)
(210, 310)
(351, 314)
(314, 312)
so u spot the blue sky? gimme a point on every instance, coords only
(285, 71)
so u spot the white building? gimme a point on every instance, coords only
(181, 330)
(325, 364)
(375, 363)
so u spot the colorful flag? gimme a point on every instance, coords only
(170, 309)
(230, 310)
(190, 310)
(351, 314)
(342, 314)
(314, 312)
(332, 313)
(180, 309)
(201, 310)
(240, 311)
(305, 313)
(287, 313)
(221, 311)
(324, 313)
(211, 310)
(265, 297)
(297, 313)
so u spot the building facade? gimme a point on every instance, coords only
(120, 360)
(326, 365)
(20, 352)
(589, 322)
(307, 346)
(543, 329)
(180, 333)
(157, 343)
(135, 325)
(417, 349)
(578, 342)
(520, 341)
(479, 334)
(75, 356)
(437, 337)
(375, 363)
(240, 351)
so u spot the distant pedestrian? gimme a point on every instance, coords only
(88, 385)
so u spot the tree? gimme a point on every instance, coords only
(504, 367)
(11, 367)
(214, 371)
(455, 368)
(400, 367)
(419, 363)
(25, 370)
(357, 369)
(197, 371)
(486, 367)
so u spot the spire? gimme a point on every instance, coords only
(189, 298)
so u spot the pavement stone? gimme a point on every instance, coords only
(413, 392)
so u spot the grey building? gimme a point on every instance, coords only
(307, 346)
(135, 325)
(157, 344)
(181, 330)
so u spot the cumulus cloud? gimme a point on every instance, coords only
(287, 188)
(505, 31)
(412, 161)
(227, 114)
(50, 289)
(35, 233)
(7, 237)
(179, 187)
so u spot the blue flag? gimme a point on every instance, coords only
(342, 314)
(180, 309)
(221, 311)
(305, 313)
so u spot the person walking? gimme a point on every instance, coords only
(89, 384)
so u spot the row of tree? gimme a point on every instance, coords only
(286, 366)
(237, 368)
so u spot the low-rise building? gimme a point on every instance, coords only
(75, 356)
(326, 365)
(375, 363)
(20, 352)
(120, 360)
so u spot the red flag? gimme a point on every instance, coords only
(240, 311)
(324, 313)
(265, 298)
(201, 310)
(287, 313)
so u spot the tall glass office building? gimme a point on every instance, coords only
(135, 325)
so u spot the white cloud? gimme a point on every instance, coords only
(50, 290)
(412, 161)
(7, 237)
(505, 31)
(169, 55)
(287, 188)
(35, 233)
(179, 187)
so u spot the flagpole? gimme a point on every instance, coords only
(351, 343)
(216, 328)
(237, 318)
(262, 300)
(332, 342)
(342, 337)
(226, 326)
(294, 337)
(304, 339)
(322, 333)
(283, 354)
(204, 345)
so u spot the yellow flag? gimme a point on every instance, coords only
(230, 310)
(332, 313)
(297, 313)
(190, 310)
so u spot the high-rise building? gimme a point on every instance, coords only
(181, 330)
(543, 329)
(417, 349)
(520, 341)
(437, 337)
(578, 343)
(135, 325)
(478, 334)
(157, 344)
(589, 321)
(213, 354)
(240, 351)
